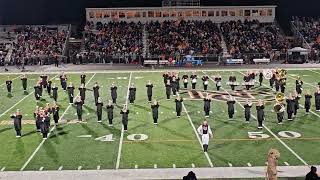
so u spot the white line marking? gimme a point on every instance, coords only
(230, 165)
(2, 169)
(40, 145)
(41, 168)
(155, 166)
(198, 112)
(284, 144)
(286, 163)
(161, 112)
(196, 133)
(173, 166)
(122, 130)
(60, 168)
(11, 80)
(88, 114)
(192, 165)
(137, 112)
(136, 166)
(98, 167)
(249, 164)
(313, 71)
(18, 102)
(80, 167)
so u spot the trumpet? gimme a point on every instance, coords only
(279, 107)
(281, 76)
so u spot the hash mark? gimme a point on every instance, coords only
(249, 164)
(80, 167)
(98, 167)
(230, 165)
(192, 165)
(41, 168)
(287, 164)
(155, 166)
(2, 169)
(173, 166)
(60, 168)
(136, 166)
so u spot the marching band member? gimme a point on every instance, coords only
(174, 85)
(247, 110)
(247, 80)
(280, 113)
(96, 88)
(9, 85)
(114, 93)
(307, 103)
(230, 102)
(204, 130)
(110, 108)
(83, 78)
(218, 79)
(193, 78)
(205, 80)
(165, 77)
(296, 103)
(232, 80)
(206, 105)
(290, 106)
(168, 90)
(40, 87)
(178, 101)
(149, 91)
(24, 81)
(82, 90)
(99, 105)
(37, 91)
(71, 92)
(272, 79)
(55, 92)
(299, 84)
(63, 81)
(132, 93)
(154, 108)
(44, 124)
(17, 122)
(36, 118)
(185, 80)
(260, 113)
(124, 112)
(55, 112)
(317, 99)
(177, 81)
(49, 87)
(79, 104)
(44, 79)
(260, 78)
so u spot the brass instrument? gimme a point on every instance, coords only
(279, 107)
(281, 76)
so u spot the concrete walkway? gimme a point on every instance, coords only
(172, 173)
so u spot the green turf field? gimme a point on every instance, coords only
(171, 143)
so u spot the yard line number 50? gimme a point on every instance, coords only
(283, 134)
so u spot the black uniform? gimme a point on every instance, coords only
(174, 87)
(317, 101)
(37, 92)
(55, 93)
(17, 123)
(205, 83)
(149, 91)
(280, 116)
(260, 78)
(231, 108)
(114, 94)
(83, 94)
(24, 83)
(260, 115)
(155, 112)
(96, 93)
(271, 81)
(206, 106)
(290, 108)
(296, 105)
(178, 83)
(307, 103)
(99, 110)
(44, 82)
(232, 79)
(168, 90)
(247, 79)
(282, 87)
(165, 78)
(79, 109)
(70, 93)
(247, 112)
(185, 80)
(83, 79)
(132, 94)
(179, 106)
(49, 87)
(193, 81)
(299, 86)
(110, 113)
(44, 124)
(63, 82)
(218, 83)
(37, 121)
(277, 85)
(55, 113)
(125, 119)
(9, 86)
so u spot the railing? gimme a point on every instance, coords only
(299, 35)
(65, 46)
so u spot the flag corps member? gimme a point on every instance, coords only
(204, 130)
(17, 122)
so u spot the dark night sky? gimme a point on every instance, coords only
(73, 11)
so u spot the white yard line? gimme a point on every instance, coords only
(122, 129)
(11, 80)
(283, 143)
(313, 71)
(196, 133)
(40, 145)
(20, 101)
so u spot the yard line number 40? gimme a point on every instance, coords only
(283, 134)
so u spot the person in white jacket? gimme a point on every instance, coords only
(205, 131)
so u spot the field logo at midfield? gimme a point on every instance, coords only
(282, 134)
(137, 137)
(106, 138)
(240, 95)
